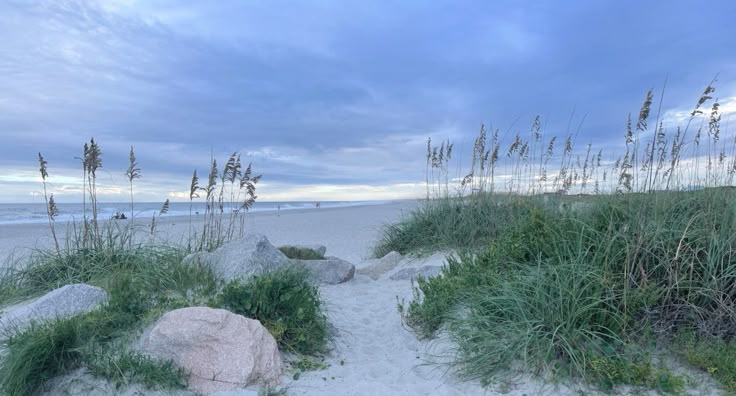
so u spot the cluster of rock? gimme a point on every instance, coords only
(221, 350)
(255, 255)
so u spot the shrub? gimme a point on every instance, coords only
(286, 303)
(574, 290)
(299, 253)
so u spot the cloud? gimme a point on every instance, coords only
(329, 93)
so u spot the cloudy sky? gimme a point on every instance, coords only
(329, 99)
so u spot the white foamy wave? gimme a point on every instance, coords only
(23, 213)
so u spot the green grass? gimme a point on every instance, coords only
(39, 354)
(300, 253)
(142, 281)
(42, 352)
(130, 367)
(713, 355)
(577, 292)
(287, 304)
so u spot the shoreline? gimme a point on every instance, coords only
(104, 213)
(18, 241)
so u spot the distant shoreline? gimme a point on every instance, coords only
(34, 213)
(18, 240)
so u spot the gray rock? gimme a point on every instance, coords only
(221, 350)
(381, 266)
(331, 270)
(241, 258)
(413, 272)
(320, 249)
(64, 302)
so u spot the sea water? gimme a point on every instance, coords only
(22, 213)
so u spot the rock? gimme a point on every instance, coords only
(64, 302)
(221, 350)
(241, 258)
(382, 265)
(331, 270)
(413, 272)
(320, 249)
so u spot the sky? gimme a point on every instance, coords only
(330, 100)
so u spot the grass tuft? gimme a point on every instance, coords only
(287, 304)
(39, 354)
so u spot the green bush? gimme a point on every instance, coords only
(574, 288)
(40, 353)
(436, 297)
(286, 303)
(299, 253)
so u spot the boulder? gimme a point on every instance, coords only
(221, 350)
(331, 270)
(380, 266)
(413, 272)
(64, 302)
(241, 258)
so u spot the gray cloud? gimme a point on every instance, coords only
(329, 92)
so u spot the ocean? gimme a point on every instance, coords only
(23, 213)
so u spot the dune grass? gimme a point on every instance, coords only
(574, 292)
(142, 282)
(53, 348)
(145, 279)
(587, 272)
(287, 303)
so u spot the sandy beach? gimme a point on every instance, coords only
(373, 353)
(347, 232)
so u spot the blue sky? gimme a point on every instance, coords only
(330, 99)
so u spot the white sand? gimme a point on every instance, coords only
(374, 354)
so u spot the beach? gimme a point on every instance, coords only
(373, 353)
(347, 231)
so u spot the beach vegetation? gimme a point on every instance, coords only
(287, 303)
(144, 279)
(300, 253)
(591, 271)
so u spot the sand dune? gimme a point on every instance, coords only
(373, 354)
